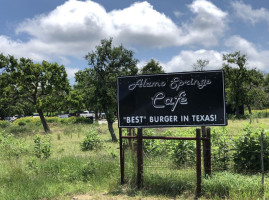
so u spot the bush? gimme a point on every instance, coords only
(21, 123)
(83, 120)
(184, 153)
(91, 141)
(28, 120)
(42, 148)
(248, 150)
(4, 123)
(221, 148)
(11, 146)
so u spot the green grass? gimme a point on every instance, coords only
(70, 171)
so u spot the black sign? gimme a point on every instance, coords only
(177, 99)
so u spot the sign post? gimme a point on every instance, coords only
(187, 99)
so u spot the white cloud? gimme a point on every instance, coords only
(141, 24)
(185, 59)
(255, 58)
(208, 26)
(178, 13)
(76, 27)
(21, 49)
(248, 14)
(71, 72)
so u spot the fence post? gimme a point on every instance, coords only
(139, 158)
(131, 132)
(121, 157)
(198, 162)
(262, 160)
(207, 153)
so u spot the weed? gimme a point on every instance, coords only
(42, 147)
(91, 141)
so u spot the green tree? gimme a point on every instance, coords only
(107, 62)
(87, 89)
(236, 79)
(256, 96)
(200, 65)
(244, 87)
(8, 92)
(266, 83)
(36, 83)
(74, 101)
(152, 67)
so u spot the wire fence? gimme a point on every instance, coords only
(246, 152)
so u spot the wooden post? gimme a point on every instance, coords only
(139, 158)
(198, 162)
(207, 154)
(262, 160)
(204, 146)
(121, 157)
(131, 132)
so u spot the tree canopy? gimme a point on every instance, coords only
(152, 67)
(39, 84)
(244, 87)
(100, 80)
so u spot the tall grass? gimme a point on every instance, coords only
(71, 171)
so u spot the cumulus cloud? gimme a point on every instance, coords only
(141, 24)
(209, 24)
(256, 58)
(248, 14)
(71, 72)
(185, 59)
(76, 27)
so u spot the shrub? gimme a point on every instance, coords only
(21, 123)
(4, 123)
(42, 148)
(83, 120)
(183, 152)
(91, 141)
(248, 154)
(221, 148)
(11, 146)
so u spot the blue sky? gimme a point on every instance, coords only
(174, 32)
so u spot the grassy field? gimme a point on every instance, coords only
(53, 166)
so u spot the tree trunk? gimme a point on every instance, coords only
(43, 121)
(249, 110)
(110, 120)
(237, 111)
(112, 133)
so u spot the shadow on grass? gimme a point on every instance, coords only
(161, 184)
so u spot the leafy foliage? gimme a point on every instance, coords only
(152, 67)
(100, 81)
(43, 85)
(184, 152)
(248, 154)
(92, 141)
(4, 124)
(221, 148)
(42, 147)
(243, 86)
(11, 146)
